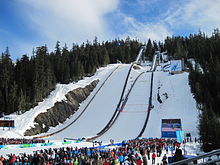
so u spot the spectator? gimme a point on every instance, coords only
(12, 159)
(132, 152)
(127, 162)
(144, 160)
(121, 159)
(178, 155)
(148, 153)
(139, 161)
(167, 149)
(171, 149)
(153, 158)
(164, 159)
(1, 160)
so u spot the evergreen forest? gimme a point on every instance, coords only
(204, 80)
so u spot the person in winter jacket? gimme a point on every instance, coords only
(167, 149)
(139, 161)
(164, 159)
(121, 158)
(178, 155)
(12, 159)
(106, 162)
(171, 149)
(76, 162)
(127, 162)
(144, 160)
(153, 158)
(116, 162)
(148, 153)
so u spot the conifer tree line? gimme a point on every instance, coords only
(30, 79)
(204, 79)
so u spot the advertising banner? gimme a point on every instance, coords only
(169, 128)
(179, 136)
(175, 65)
(7, 123)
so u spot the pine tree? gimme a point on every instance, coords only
(22, 102)
(65, 65)
(149, 50)
(13, 102)
(6, 80)
(56, 62)
(40, 74)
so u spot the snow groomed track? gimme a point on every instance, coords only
(149, 106)
(99, 111)
(133, 111)
(153, 68)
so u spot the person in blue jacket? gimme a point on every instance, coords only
(121, 159)
(171, 149)
(167, 149)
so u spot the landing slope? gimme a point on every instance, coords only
(131, 119)
(100, 110)
(179, 104)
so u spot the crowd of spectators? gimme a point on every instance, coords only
(6, 141)
(136, 152)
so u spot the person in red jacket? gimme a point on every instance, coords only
(178, 145)
(13, 159)
(106, 162)
(153, 158)
(139, 161)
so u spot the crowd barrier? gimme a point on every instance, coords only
(16, 146)
(108, 145)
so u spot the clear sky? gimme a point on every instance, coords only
(25, 24)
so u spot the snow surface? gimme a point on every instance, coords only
(131, 119)
(99, 111)
(179, 104)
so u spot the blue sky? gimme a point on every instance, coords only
(26, 24)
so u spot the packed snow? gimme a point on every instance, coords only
(99, 111)
(132, 118)
(177, 103)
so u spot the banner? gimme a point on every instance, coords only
(7, 123)
(175, 65)
(169, 128)
(180, 136)
(14, 146)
